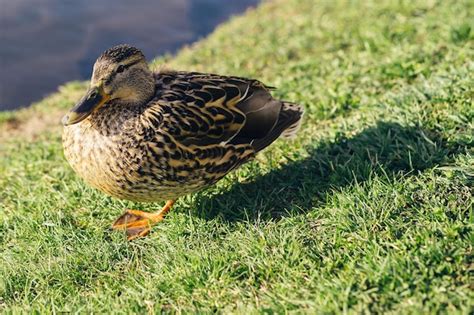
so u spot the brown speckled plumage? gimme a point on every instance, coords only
(192, 131)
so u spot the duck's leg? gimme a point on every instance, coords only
(138, 223)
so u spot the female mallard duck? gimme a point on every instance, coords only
(146, 136)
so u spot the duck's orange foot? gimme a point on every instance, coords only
(138, 223)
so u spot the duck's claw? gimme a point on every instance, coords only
(136, 223)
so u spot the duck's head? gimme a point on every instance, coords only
(120, 74)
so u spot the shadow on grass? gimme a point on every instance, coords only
(387, 148)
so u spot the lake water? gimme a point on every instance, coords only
(44, 43)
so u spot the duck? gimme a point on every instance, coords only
(154, 136)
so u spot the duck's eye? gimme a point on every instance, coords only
(93, 94)
(120, 68)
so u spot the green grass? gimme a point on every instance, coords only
(369, 210)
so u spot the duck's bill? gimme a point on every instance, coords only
(94, 98)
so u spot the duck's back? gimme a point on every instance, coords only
(206, 109)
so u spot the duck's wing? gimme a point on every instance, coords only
(208, 109)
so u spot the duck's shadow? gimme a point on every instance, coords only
(387, 148)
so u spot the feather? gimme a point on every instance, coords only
(210, 109)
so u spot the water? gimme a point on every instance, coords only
(44, 43)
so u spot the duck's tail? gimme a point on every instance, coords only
(296, 112)
(287, 125)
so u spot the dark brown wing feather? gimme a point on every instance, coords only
(205, 109)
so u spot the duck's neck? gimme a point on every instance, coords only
(115, 118)
(139, 93)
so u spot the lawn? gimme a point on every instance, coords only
(368, 210)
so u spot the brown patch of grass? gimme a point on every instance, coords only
(41, 117)
(29, 128)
